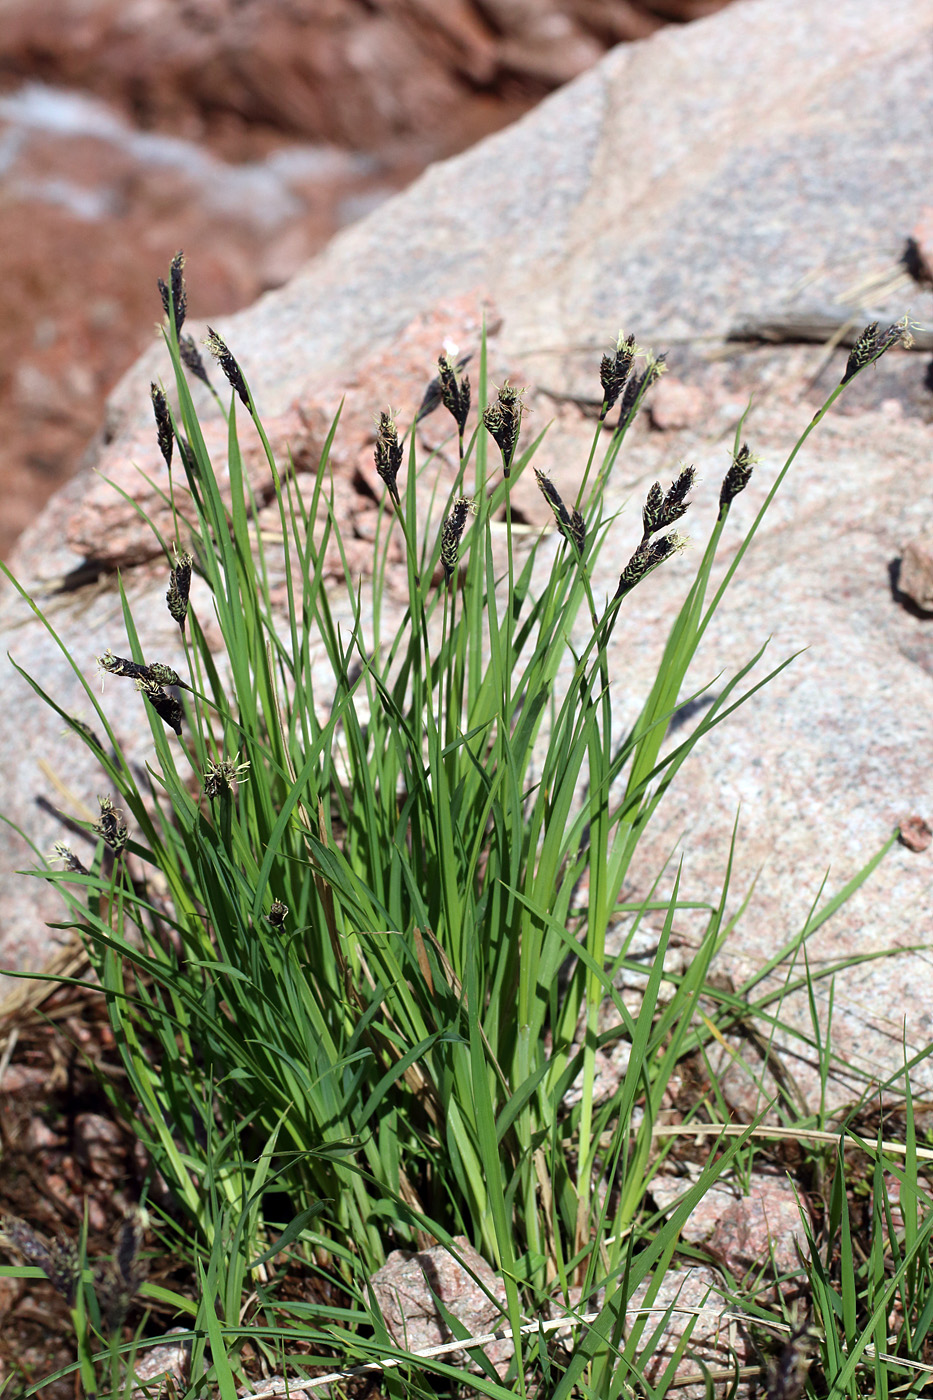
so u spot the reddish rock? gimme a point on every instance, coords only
(167, 1364)
(693, 1298)
(757, 1229)
(915, 579)
(407, 1285)
(439, 76)
(18, 1079)
(99, 1143)
(674, 404)
(916, 834)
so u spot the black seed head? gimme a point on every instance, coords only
(503, 420)
(59, 1260)
(187, 456)
(551, 494)
(570, 523)
(68, 858)
(737, 477)
(120, 666)
(232, 371)
(163, 423)
(455, 392)
(191, 358)
(577, 530)
(223, 777)
(179, 584)
(433, 395)
(675, 504)
(452, 533)
(175, 296)
(787, 1377)
(648, 555)
(118, 1281)
(614, 371)
(164, 675)
(166, 706)
(111, 827)
(651, 511)
(388, 453)
(872, 344)
(638, 385)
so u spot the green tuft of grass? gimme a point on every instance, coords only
(352, 935)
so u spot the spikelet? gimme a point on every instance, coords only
(232, 371)
(452, 533)
(503, 420)
(175, 296)
(179, 584)
(163, 420)
(388, 453)
(614, 370)
(570, 523)
(737, 477)
(111, 827)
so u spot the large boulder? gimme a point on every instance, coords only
(246, 134)
(762, 166)
(355, 73)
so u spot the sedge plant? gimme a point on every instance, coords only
(352, 936)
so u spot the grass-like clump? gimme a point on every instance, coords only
(353, 937)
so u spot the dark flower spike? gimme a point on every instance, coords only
(224, 776)
(175, 296)
(862, 351)
(191, 358)
(120, 666)
(434, 395)
(871, 346)
(164, 675)
(674, 504)
(163, 423)
(68, 858)
(455, 392)
(155, 673)
(228, 364)
(661, 510)
(277, 914)
(187, 456)
(577, 529)
(638, 385)
(651, 511)
(503, 419)
(614, 371)
(570, 523)
(388, 453)
(59, 1260)
(179, 584)
(111, 827)
(738, 476)
(166, 706)
(118, 1281)
(648, 555)
(452, 533)
(129, 1244)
